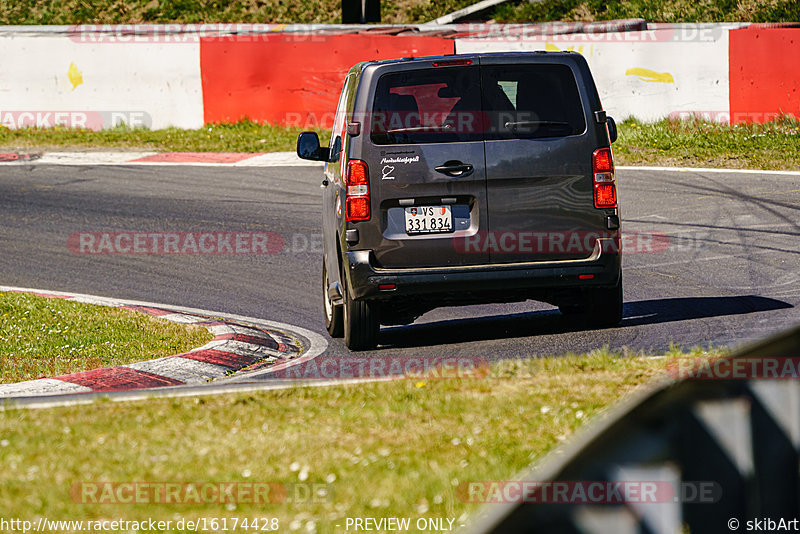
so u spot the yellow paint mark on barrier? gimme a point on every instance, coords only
(75, 76)
(647, 75)
(550, 47)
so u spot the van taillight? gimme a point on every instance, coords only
(357, 190)
(605, 187)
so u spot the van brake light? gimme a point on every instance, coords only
(604, 183)
(452, 62)
(357, 198)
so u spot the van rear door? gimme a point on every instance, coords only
(538, 160)
(426, 164)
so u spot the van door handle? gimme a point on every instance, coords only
(456, 169)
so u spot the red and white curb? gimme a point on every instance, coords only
(211, 159)
(240, 343)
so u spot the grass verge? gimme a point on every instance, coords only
(651, 10)
(773, 145)
(42, 337)
(244, 136)
(386, 449)
(393, 11)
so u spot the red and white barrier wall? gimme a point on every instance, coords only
(644, 74)
(721, 72)
(185, 76)
(764, 73)
(293, 79)
(51, 79)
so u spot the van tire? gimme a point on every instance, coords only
(601, 307)
(361, 324)
(605, 306)
(333, 314)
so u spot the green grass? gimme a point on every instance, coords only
(774, 145)
(652, 10)
(42, 337)
(387, 449)
(383, 449)
(244, 136)
(393, 11)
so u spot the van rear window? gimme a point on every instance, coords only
(441, 105)
(530, 101)
(457, 104)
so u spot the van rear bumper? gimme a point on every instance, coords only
(365, 278)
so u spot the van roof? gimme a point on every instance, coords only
(451, 57)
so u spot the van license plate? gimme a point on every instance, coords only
(428, 220)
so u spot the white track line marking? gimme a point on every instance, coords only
(285, 159)
(289, 159)
(223, 329)
(272, 159)
(277, 159)
(243, 348)
(42, 386)
(180, 318)
(183, 369)
(85, 158)
(703, 169)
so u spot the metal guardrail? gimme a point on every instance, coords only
(737, 439)
(222, 29)
(470, 10)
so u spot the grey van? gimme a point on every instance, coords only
(467, 179)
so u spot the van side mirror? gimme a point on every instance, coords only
(308, 147)
(611, 124)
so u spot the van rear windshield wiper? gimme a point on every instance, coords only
(429, 128)
(522, 124)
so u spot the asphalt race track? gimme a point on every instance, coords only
(729, 273)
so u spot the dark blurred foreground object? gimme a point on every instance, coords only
(361, 11)
(725, 448)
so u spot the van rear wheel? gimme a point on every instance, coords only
(605, 306)
(601, 306)
(361, 323)
(332, 313)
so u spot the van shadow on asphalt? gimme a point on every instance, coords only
(536, 323)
